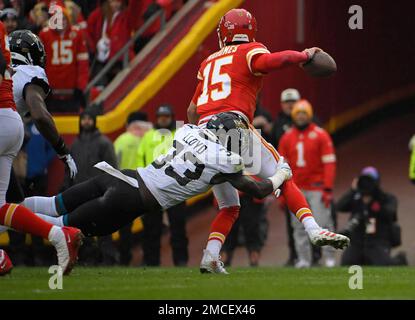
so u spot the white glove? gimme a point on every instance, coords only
(70, 163)
(283, 174)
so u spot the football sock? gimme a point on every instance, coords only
(310, 223)
(297, 203)
(43, 205)
(56, 235)
(214, 246)
(23, 220)
(56, 221)
(220, 228)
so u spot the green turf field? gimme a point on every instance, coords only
(188, 283)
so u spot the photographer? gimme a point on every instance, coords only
(372, 227)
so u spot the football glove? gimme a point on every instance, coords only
(70, 164)
(283, 174)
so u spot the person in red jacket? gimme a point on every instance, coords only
(67, 63)
(309, 151)
(109, 28)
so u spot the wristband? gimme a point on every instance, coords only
(60, 147)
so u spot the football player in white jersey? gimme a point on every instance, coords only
(12, 215)
(198, 159)
(31, 87)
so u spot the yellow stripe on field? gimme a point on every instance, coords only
(161, 74)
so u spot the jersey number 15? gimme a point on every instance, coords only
(215, 77)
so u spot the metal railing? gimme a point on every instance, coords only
(125, 51)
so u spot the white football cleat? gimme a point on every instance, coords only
(67, 241)
(302, 264)
(210, 264)
(323, 237)
(330, 263)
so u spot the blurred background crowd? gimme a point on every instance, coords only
(93, 32)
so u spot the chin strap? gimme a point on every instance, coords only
(20, 58)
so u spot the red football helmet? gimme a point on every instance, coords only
(237, 25)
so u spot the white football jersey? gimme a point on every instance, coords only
(188, 168)
(23, 75)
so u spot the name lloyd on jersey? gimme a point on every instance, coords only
(194, 142)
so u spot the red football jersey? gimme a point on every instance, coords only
(227, 81)
(6, 87)
(67, 59)
(309, 154)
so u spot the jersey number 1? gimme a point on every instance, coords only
(300, 155)
(216, 78)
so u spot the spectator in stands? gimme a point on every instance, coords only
(67, 65)
(89, 148)
(310, 153)
(372, 228)
(76, 17)
(150, 8)
(126, 149)
(127, 144)
(19, 6)
(154, 143)
(109, 29)
(412, 160)
(283, 122)
(9, 18)
(39, 17)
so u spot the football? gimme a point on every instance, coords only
(321, 65)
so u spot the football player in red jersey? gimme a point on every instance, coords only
(229, 81)
(17, 217)
(309, 149)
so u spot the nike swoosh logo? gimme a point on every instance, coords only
(3, 266)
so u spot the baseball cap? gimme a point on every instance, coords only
(8, 13)
(290, 94)
(165, 110)
(136, 116)
(371, 172)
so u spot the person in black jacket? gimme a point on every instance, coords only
(372, 227)
(283, 121)
(89, 148)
